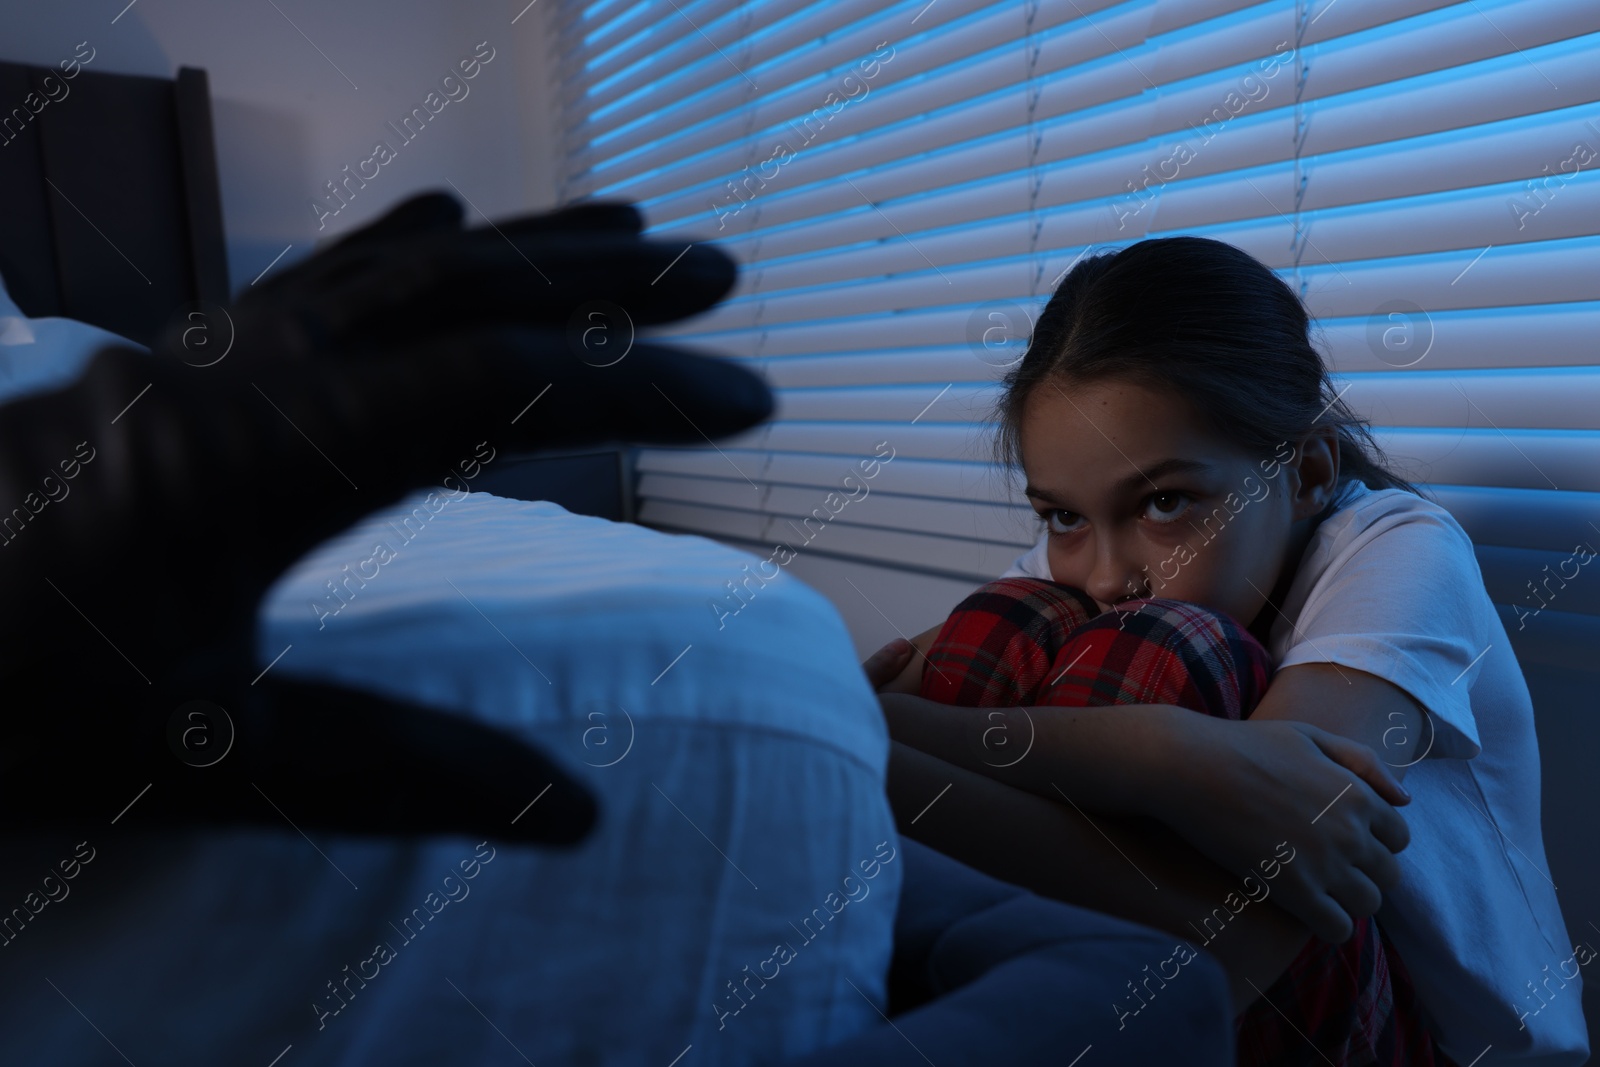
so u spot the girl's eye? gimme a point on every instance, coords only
(1166, 506)
(1063, 521)
(1163, 507)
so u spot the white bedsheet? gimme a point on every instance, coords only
(740, 773)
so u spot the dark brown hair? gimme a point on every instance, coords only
(1208, 322)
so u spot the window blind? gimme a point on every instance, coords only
(905, 183)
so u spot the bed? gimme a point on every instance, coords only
(113, 212)
(706, 739)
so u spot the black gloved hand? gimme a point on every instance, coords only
(369, 370)
(415, 274)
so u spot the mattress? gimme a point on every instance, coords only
(735, 903)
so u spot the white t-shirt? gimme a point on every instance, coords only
(1389, 585)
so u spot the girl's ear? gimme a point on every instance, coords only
(1316, 468)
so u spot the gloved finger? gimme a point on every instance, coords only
(436, 213)
(317, 757)
(483, 385)
(349, 761)
(660, 394)
(440, 211)
(424, 213)
(590, 216)
(265, 313)
(326, 441)
(487, 277)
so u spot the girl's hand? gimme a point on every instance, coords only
(886, 664)
(1294, 806)
(897, 666)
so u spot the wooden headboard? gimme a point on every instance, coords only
(111, 211)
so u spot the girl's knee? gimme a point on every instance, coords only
(1164, 651)
(1051, 600)
(1176, 624)
(997, 645)
(1029, 610)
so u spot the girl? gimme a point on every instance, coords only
(1214, 513)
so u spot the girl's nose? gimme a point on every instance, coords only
(1113, 581)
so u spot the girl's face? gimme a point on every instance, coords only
(1142, 498)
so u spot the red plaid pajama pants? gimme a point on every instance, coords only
(1027, 642)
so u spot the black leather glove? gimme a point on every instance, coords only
(371, 369)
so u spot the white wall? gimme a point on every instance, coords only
(287, 121)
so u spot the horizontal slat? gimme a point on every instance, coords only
(661, 31)
(1184, 44)
(1553, 198)
(1356, 338)
(1466, 33)
(1471, 339)
(937, 364)
(690, 104)
(966, 403)
(930, 288)
(1539, 519)
(830, 143)
(599, 17)
(1561, 398)
(871, 232)
(1408, 215)
(979, 560)
(697, 518)
(984, 142)
(967, 443)
(1545, 273)
(952, 537)
(875, 258)
(1509, 213)
(860, 503)
(1463, 339)
(1191, 82)
(898, 92)
(1473, 218)
(1331, 19)
(1082, 67)
(977, 480)
(789, 42)
(1549, 398)
(1515, 459)
(1533, 518)
(1522, 529)
(1258, 135)
(1490, 153)
(1533, 273)
(599, 20)
(887, 331)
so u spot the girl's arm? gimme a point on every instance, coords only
(1129, 867)
(1233, 790)
(1353, 704)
